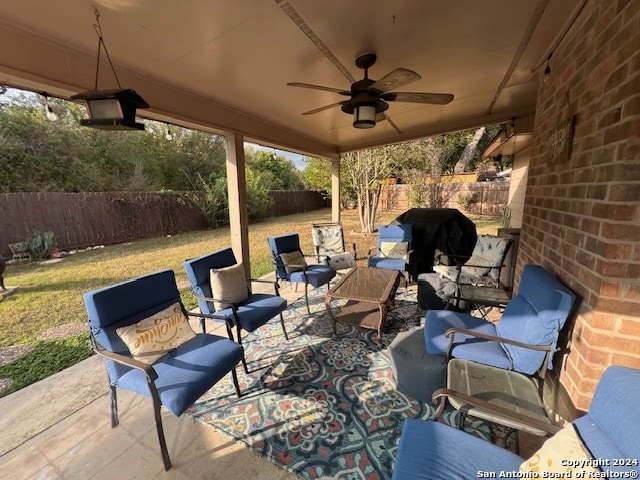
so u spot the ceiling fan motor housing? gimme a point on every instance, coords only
(361, 95)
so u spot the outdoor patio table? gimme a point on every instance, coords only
(370, 293)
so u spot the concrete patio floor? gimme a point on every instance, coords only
(60, 428)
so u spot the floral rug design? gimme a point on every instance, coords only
(319, 407)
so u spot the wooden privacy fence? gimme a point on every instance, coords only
(486, 198)
(81, 220)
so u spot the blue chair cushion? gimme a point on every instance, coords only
(389, 263)
(535, 316)
(199, 270)
(433, 451)
(395, 233)
(286, 243)
(317, 275)
(256, 310)
(187, 372)
(487, 352)
(521, 322)
(125, 304)
(611, 429)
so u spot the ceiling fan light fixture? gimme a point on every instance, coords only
(364, 116)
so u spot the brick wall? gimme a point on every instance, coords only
(582, 217)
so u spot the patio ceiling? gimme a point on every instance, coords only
(224, 65)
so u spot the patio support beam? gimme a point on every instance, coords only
(237, 187)
(335, 190)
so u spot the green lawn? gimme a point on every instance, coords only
(50, 295)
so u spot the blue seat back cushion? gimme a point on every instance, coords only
(395, 233)
(611, 429)
(198, 271)
(125, 304)
(521, 323)
(287, 243)
(534, 316)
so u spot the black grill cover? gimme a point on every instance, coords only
(443, 229)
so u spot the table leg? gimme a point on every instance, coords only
(327, 305)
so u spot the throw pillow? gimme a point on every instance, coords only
(480, 266)
(293, 261)
(341, 260)
(394, 249)
(228, 284)
(561, 454)
(157, 335)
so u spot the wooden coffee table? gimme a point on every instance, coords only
(370, 292)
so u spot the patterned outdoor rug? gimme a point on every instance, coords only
(318, 407)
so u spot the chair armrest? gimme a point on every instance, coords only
(212, 316)
(440, 396)
(275, 284)
(234, 306)
(459, 260)
(148, 370)
(541, 348)
(452, 331)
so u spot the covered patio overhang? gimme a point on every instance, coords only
(223, 67)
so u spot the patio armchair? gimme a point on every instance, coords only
(141, 329)
(606, 437)
(329, 246)
(393, 250)
(443, 287)
(533, 317)
(219, 284)
(496, 371)
(290, 264)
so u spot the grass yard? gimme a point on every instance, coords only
(50, 295)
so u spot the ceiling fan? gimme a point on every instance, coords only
(368, 98)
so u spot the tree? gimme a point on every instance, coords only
(367, 169)
(276, 171)
(317, 177)
(470, 152)
(424, 165)
(41, 155)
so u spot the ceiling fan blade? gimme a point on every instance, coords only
(326, 107)
(384, 116)
(319, 87)
(416, 97)
(398, 78)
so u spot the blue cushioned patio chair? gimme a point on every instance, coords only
(288, 245)
(393, 250)
(249, 314)
(609, 431)
(177, 379)
(522, 340)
